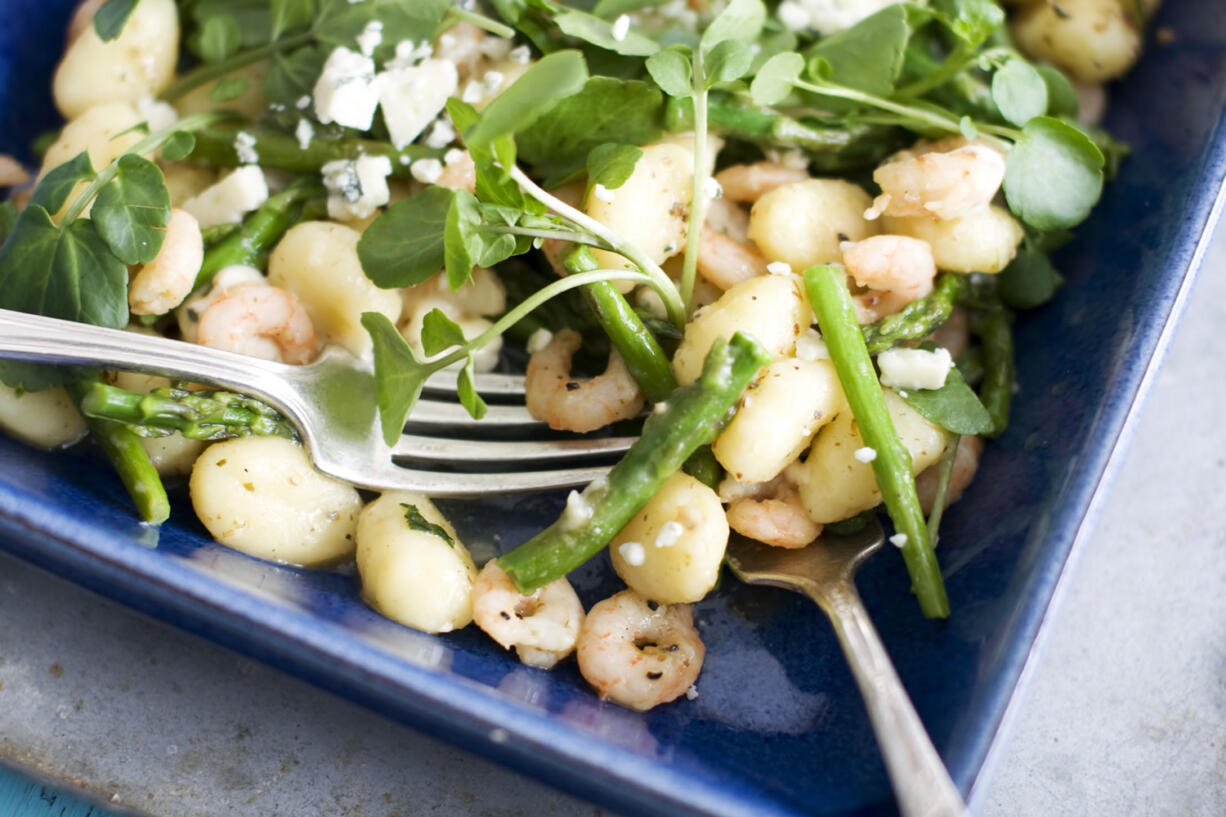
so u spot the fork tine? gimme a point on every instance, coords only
(497, 385)
(446, 450)
(439, 413)
(461, 485)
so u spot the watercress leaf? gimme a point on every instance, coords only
(869, 55)
(498, 248)
(971, 21)
(466, 390)
(672, 71)
(770, 44)
(111, 17)
(251, 16)
(292, 75)
(955, 406)
(611, 164)
(288, 15)
(131, 211)
(399, 374)
(1053, 175)
(610, 8)
(462, 242)
(1029, 281)
(966, 126)
(1019, 92)
(599, 32)
(416, 521)
(1061, 97)
(740, 20)
(552, 79)
(494, 184)
(775, 79)
(404, 246)
(8, 219)
(439, 332)
(219, 37)
(728, 61)
(67, 272)
(178, 145)
(53, 190)
(228, 88)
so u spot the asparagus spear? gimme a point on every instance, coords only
(199, 415)
(215, 146)
(836, 316)
(694, 416)
(996, 390)
(917, 319)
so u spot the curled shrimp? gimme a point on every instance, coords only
(895, 269)
(164, 282)
(459, 174)
(261, 321)
(726, 262)
(542, 626)
(567, 404)
(779, 520)
(639, 653)
(966, 463)
(746, 184)
(938, 184)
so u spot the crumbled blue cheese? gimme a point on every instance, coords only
(828, 16)
(898, 540)
(244, 148)
(713, 189)
(454, 155)
(370, 38)
(356, 188)
(669, 533)
(303, 102)
(346, 92)
(779, 268)
(426, 171)
(692, 692)
(577, 512)
(412, 96)
(441, 134)
(538, 340)
(793, 16)
(230, 198)
(914, 368)
(633, 552)
(157, 115)
(811, 346)
(604, 194)
(305, 132)
(520, 55)
(865, 454)
(621, 28)
(496, 49)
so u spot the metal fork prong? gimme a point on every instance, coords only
(445, 450)
(489, 385)
(461, 485)
(439, 413)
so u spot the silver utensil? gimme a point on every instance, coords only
(825, 571)
(332, 404)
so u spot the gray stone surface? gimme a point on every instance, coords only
(1125, 714)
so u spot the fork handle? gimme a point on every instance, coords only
(38, 339)
(921, 782)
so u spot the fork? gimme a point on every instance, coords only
(825, 572)
(332, 404)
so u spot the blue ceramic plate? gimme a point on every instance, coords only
(778, 728)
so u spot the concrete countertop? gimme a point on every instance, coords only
(1125, 712)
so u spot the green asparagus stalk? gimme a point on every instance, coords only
(632, 339)
(215, 146)
(259, 232)
(129, 459)
(999, 375)
(198, 415)
(836, 316)
(694, 416)
(944, 475)
(917, 319)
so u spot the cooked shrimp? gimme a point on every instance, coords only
(639, 653)
(164, 282)
(459, 174)
(779, 520)
(12, 174)
(567, 404)
(726, 262)
(748, 183)
(966, 463)
(944, 185)
(261, 321)
(895, 269)
(542, 626)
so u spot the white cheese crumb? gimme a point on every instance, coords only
(793, 15)
(371, 37)
(604, 194)
(230, 198)
(794, 158)
(244, 148)
(305, 132)
(520, 55)
(345, 92)
(472, 93)
(633, 553)
(621, 28)
(691, 693)
(427, 171)
(811, 346)
(669, 533)
(577, 511)
(865, 454)
(157, 115)
(303, 102)
(914, 368)
(413, 96)
(779, 268)
(898, 540)
(714, 189)
(495, 49)
(356, 188)
(538, 340)
(828, 16)
(454, 155)
(492, 82)
(441, 134)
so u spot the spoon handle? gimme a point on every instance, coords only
(921, 783)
